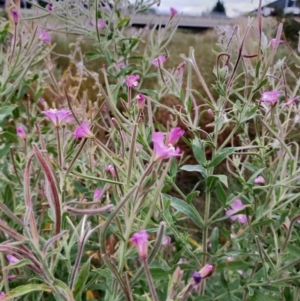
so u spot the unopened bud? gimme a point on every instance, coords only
(21, 133)
(15, 16)
(140, 101)
(115, 123)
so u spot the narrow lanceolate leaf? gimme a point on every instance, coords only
(82, 278)
(221, 155)
(24, 290)
(29, 208)
(185, 208)
(51, 180)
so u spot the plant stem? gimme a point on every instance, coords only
(150, 280)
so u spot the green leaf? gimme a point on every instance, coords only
(195, 168)
(24, 290)
(221, 194)
(191, 196)
(20, 264)
(288, 294)
(261, 84)
(259, 296)
(199, 151)
(185, 208)
(211, 181)
(82, 278)
(123, 22)
(257, 68)
(215, 240)
(149, 92)
(6, 111)
(221, 155)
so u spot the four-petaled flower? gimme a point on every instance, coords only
(271, 97)
(21, 132)
(12, 259)
(273, 42)
(159, 61)
(236, 207)
(173, 12)
(259, 180)
(15, 16)
(101, 24)
(83, 131)
(132, 80)
(140, 239)
(98, 193)
(58, 117)
(44, 36)
(165, 149)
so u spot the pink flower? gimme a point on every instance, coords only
(21, 132)
(273, 42)
(174, 136)
(271, 97)
(58, 117)
(259, 180)
(15, 16)
(83, 131)
(159, 61)
(166, 241)
(12, 259)
(163, 150)
(236, 207)
(210, 112)
(44, 36)
(173, 12)
(140, 239)
(2, 294)
(98, 193)
(140, 101)
(104, 108)
(10, 277)
(49, 7)
(132, 80)
(101, 24)
(110, 169)
(42, 100)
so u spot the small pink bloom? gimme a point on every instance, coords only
(11, 168)
(110, 169)
(132, 80)
(291, 101)
(140, 239)
(278, 153)
(98, 193)
(259, 180)
(12, 259)
(42, 100)
(49, 7)
(15, 16)
(140, 101)
(101, 24)
(240, 272)
(210, 112)
(197, 278)
(174, 135)
(2, 294)
(10, 277)
(173, 12)
(104, 108)
(273, 42)
(21, 132)
(44, 36)
(162, 149)
(58, 117)
(159, 61)
(83, 131)
(236, 207)
(166, 241)
(271, 97)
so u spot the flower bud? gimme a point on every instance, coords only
(140, 239)
(140, 101)
(21, 133)
(15, 16)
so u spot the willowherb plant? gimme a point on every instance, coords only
(86, 208)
